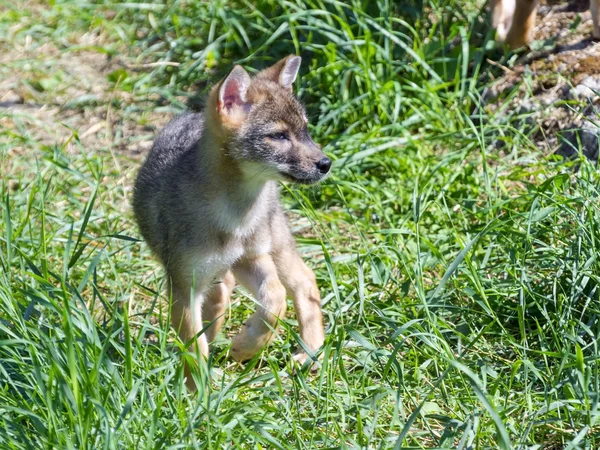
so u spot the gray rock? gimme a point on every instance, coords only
(9, 99)
(588, 88)
(583, 135)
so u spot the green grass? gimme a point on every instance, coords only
(458, 264)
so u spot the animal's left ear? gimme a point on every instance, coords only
(233, 89)
(283, 72)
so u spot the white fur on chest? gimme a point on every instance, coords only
(236, 220)
(229, 220)
(212, 262)
(231, 232)
(222, 259)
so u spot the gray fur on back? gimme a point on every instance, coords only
(172, 155)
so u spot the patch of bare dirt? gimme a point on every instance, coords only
(558, 81)
(50, 94)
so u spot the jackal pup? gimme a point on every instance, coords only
(206, 200)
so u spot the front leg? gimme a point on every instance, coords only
(259, 276)
(300, 283)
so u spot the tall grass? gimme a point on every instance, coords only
(458, 264)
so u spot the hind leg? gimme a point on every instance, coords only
(502, 16)
(595, 10)
(519, 16)
(186, 319)
(215, 305)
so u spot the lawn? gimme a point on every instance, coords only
(455, 253)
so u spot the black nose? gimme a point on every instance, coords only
(324, 164)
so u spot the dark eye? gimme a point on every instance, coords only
(278, 136)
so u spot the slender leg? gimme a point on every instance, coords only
(300, 283)
(502, 15)
(595, 10)
(186, 318)
(259, 276)
(523, 23)
(215, 305)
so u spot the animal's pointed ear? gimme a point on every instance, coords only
(283, 72)
(232, 93)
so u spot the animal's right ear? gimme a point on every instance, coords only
(283, 72)
(232, 93)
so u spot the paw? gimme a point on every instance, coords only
(301, 359)
(249, 342)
